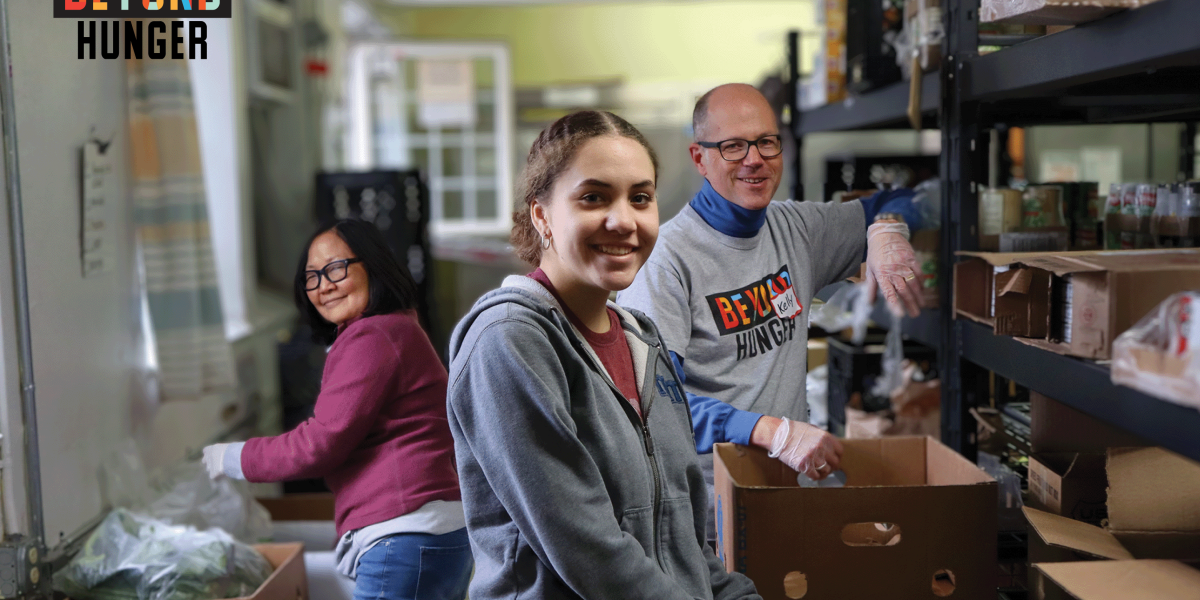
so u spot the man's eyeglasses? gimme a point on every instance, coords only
(334, 272)
(769, 146)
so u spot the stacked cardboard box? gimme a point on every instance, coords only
(914, 515)
(1072, 303)
(1154, 513)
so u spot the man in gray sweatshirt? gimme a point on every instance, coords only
(730, 282)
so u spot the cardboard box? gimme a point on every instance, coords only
(1124, 580)
(914, 516)
(1111, 291)
(305, 518)
(289, 581)
(1055, 542)
(1153, 513)
(1056, 427)
(1052, 12)
(1072, 485)
(818, 353)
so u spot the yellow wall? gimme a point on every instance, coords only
(636, 42)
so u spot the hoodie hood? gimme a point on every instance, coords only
(523, 291)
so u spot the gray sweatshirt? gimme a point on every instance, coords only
(567, 492)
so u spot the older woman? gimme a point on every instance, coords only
(574, 441)
(378, 434)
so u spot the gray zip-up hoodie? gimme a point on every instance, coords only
(567, 492)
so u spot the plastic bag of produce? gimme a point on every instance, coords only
(134, 557)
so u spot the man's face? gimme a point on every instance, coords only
(739, 112)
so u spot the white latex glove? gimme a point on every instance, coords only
(214, 459)
(892, 266)
(806, 449)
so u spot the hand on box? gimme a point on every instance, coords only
(806, 449)
(214, 459)
(892, 266)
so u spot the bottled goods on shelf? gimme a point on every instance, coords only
(1145, 215)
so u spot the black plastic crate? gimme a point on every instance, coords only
(853, 369)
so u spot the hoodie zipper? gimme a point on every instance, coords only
(643, 423)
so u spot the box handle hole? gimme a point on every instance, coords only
(871, 534)
(943, 583)
(795, 585)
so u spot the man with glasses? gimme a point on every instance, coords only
(732, 275)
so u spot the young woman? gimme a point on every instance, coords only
(574, 441)
(378, 434)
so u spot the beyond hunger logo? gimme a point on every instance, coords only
(157, 37)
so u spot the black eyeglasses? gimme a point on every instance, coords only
(334, 272)
(769, 146)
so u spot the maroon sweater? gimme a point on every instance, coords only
(378, 434)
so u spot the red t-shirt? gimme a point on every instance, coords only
(611, 347)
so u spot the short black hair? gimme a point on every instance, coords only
(390, 288)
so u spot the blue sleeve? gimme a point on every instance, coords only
(892, 201)
(714, 421)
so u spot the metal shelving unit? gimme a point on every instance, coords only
(1136, 66)
(882, 108)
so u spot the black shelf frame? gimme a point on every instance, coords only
(1139, 65)
(882, 108)
(1084, 385)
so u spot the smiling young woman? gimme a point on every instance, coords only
(579, 474)
(378, 434)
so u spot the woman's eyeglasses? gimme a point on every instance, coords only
(334, 272)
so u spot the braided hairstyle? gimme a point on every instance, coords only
(550, 155)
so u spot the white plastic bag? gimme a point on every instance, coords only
(1161, 354)
(132, 556)
(846, 308)
(183, 494)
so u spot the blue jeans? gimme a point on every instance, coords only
(415, 566)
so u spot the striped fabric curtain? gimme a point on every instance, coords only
(180, 285)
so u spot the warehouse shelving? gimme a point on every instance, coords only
(886, 107)
(1135, 66)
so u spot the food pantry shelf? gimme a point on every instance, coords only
(882, 108)
(1138, 42)
(1085, 385)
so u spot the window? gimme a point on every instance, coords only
(442, 108)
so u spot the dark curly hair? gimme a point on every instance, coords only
(390, 288)
(550, 155)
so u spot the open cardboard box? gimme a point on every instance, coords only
(1154, 513)
(1111, 291)
(914, 518)
(1122, 580)
(1071, 484)
(289, 580)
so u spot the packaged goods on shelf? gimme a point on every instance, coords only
(1052, 12)
(1000, 211)
(835, 14)
(923, 34)
(872, 27)
(1042, 206)
(1103, 303)
(934, 509)
(1160, 355)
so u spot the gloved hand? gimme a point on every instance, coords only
(892, 265)
(806, 449)
(214, 459)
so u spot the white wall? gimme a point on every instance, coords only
(84, 337)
